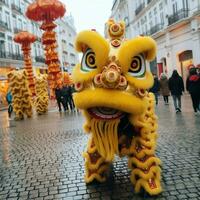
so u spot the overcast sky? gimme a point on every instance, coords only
(89, 14)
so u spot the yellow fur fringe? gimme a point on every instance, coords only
(105, 137)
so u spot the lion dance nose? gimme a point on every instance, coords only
(111, 76)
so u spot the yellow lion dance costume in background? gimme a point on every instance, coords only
(111, 84)
(42, 99)
(21, 94)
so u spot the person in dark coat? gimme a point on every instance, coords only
(193, 87)
(164, 88)
(59, 97)
(155, 88)
(176, 87)
(9, 101)
(65, 94)
(71, 101)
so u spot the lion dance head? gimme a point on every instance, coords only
(112, 83)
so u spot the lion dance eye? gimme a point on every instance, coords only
(88, 62)
(137, 67)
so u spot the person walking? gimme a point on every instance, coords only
(65, 94)
(176, 87)
(193, 87)
(155, 88)
(164, 88)
(9, 101)
(59, 97)
(71, 101)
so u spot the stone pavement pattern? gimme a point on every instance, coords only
(40, 158)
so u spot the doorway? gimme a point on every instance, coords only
(186, 60)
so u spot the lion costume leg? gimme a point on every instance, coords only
(145, 170)
(96, 168)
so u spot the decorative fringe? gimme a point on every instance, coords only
(142, 160)
(105, 137)
(95, 165)
(21, 94)
(42, 99)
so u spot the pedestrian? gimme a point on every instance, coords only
(71, 101)
(9, 101)
(164, 88)
(155, 88)
(193, 87)
(65, 95)
(59, 97)
(176, 87)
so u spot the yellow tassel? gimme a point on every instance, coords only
(105, 137)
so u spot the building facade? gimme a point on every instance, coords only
(66, 33)
(174, 24)
(12, 21)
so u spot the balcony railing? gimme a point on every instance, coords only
(155, 29)
(181, 14)
(3, 25)
(139, 8)
(9, 55)
(3, 2)
(39, 59)
(16, 8)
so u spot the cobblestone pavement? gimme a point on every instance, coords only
(40, 158)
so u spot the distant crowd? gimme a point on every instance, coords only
(175, 86)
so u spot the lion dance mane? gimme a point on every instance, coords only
(22, 103)
(42, 100)
(111, 85)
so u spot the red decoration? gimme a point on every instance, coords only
(25, 39)
(48, 11)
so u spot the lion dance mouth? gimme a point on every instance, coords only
(112, 85)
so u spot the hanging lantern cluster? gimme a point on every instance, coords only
(25, 39)
(67, 80)
(48, 11)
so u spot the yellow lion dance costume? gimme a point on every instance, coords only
(21, 94)
(42, 99)
(111, 84)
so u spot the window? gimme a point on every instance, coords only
(2, 46)
(155, 11)
(35, 49)
(150, 15)
(185, 4)
(32, 27)
(20, 24)
(161, 18)
(22, 7)
(17, 49)
(25, 26)
(9, 38)
(14, 21)
(160, 6)
(2, 35)
(10, 47)
(0, 13)
(17, 3)
(174, 7)
(151, 24)
(8, 19)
